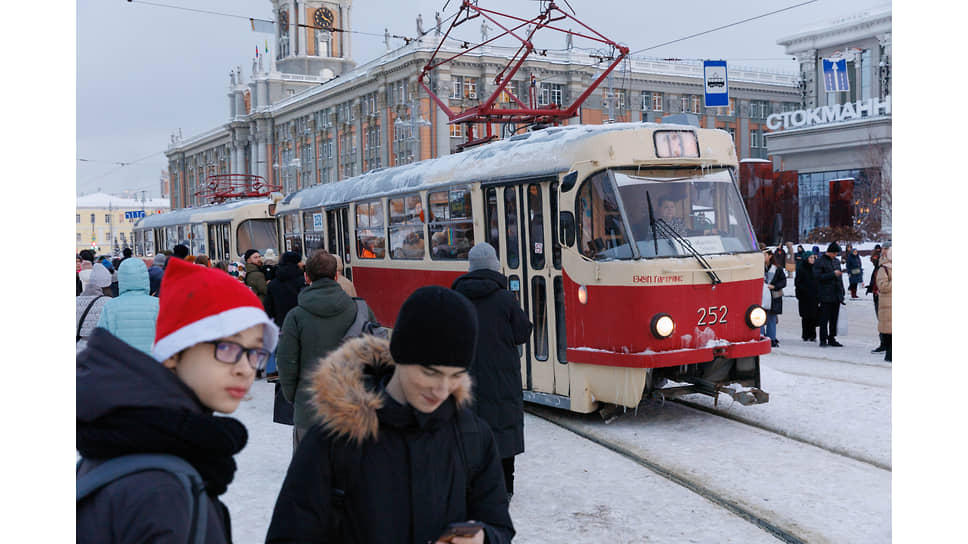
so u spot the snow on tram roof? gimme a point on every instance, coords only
(184, 215)
(532, 154)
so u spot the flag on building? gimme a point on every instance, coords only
(261, 25)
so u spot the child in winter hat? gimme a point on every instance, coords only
(208, 322)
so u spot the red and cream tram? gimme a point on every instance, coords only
(627, 245)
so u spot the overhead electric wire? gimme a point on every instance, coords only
(117, 168)
(711, 30)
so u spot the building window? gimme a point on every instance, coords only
(754, 139)
(78, 237)
(78, 219)
(550, 93)
(92, 218)
(732, 107)
(656, 101)
(683, 103)
(646, 98)
(456, 130)
(697, 103)
(107, 218)
(456, 88)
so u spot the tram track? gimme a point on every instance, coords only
(746, 489)
(696, 487)
(785, 434)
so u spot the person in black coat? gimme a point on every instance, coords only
(775, 278)
(283, 295)
(831, 294)
(808, 296)
(397, 455)
(496, 372)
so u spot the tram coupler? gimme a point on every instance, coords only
(747, 397)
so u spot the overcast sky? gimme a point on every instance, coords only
(145, 71)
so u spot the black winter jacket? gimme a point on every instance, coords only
(496, 371)
(831, 285)
(116, 383)
(283, 292)
(807, 291)
(404, 473)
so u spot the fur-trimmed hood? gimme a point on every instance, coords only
(347, 390)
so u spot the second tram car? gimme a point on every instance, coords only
(627, 245)
(221, 231)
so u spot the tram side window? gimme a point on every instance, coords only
(312, 220)
(406, 227)
(536, 226)
(451, 224)
(492, 231)
(370, 234)
(539, 316)
(292, 232)
(198, 246)
(258, 234)
(602, 233)
(511, 219)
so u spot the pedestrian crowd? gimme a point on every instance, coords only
(406, 439)
(820, 292)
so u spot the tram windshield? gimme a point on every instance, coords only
(663, 212)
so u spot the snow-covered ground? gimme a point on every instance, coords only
(569, 489)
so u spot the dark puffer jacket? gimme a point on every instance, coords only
(778, 282)
(496, 371)
(831, 285)
(405, 473)
(114, 377)
(283, 292)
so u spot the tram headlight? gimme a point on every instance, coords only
(663, 326)
(582, 294)
(755, 316)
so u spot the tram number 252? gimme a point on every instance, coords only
(712, 315)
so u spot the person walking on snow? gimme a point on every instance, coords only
(775, 278)
(855, 271)
(204, 360)
(90, 303)
(496, 372)
(132, 315)
(397, 455)
(885, 275)
(323, 314)
(828, 273)
(808, 296)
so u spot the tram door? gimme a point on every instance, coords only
(338, 237)
(532, 260)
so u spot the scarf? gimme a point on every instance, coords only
(206, 441)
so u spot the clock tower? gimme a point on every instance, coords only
(308, 38)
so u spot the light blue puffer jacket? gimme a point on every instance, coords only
(132, 315)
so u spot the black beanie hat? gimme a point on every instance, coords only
(833, 248)
(291, 257)
(249, 253)
(435, 326)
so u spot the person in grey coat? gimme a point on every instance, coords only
(496, 372)
(90, 303)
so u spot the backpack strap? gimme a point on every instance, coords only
(80, 322)
(119, 467)
(362, 315)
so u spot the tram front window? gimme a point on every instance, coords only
(701, 205)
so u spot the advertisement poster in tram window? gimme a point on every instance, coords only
(459, 205)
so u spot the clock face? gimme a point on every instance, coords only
(324, 18)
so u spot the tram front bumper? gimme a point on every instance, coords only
(660, 359)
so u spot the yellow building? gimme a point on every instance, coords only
(102, 218)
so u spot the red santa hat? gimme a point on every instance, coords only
(199, 304)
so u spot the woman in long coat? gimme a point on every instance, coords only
(808, 296)
(885, 273)
(775, 278)
(856, 271)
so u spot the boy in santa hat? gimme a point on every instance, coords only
(212, 335)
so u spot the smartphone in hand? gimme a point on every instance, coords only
(460, 528)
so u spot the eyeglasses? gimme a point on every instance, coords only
(230, 353)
